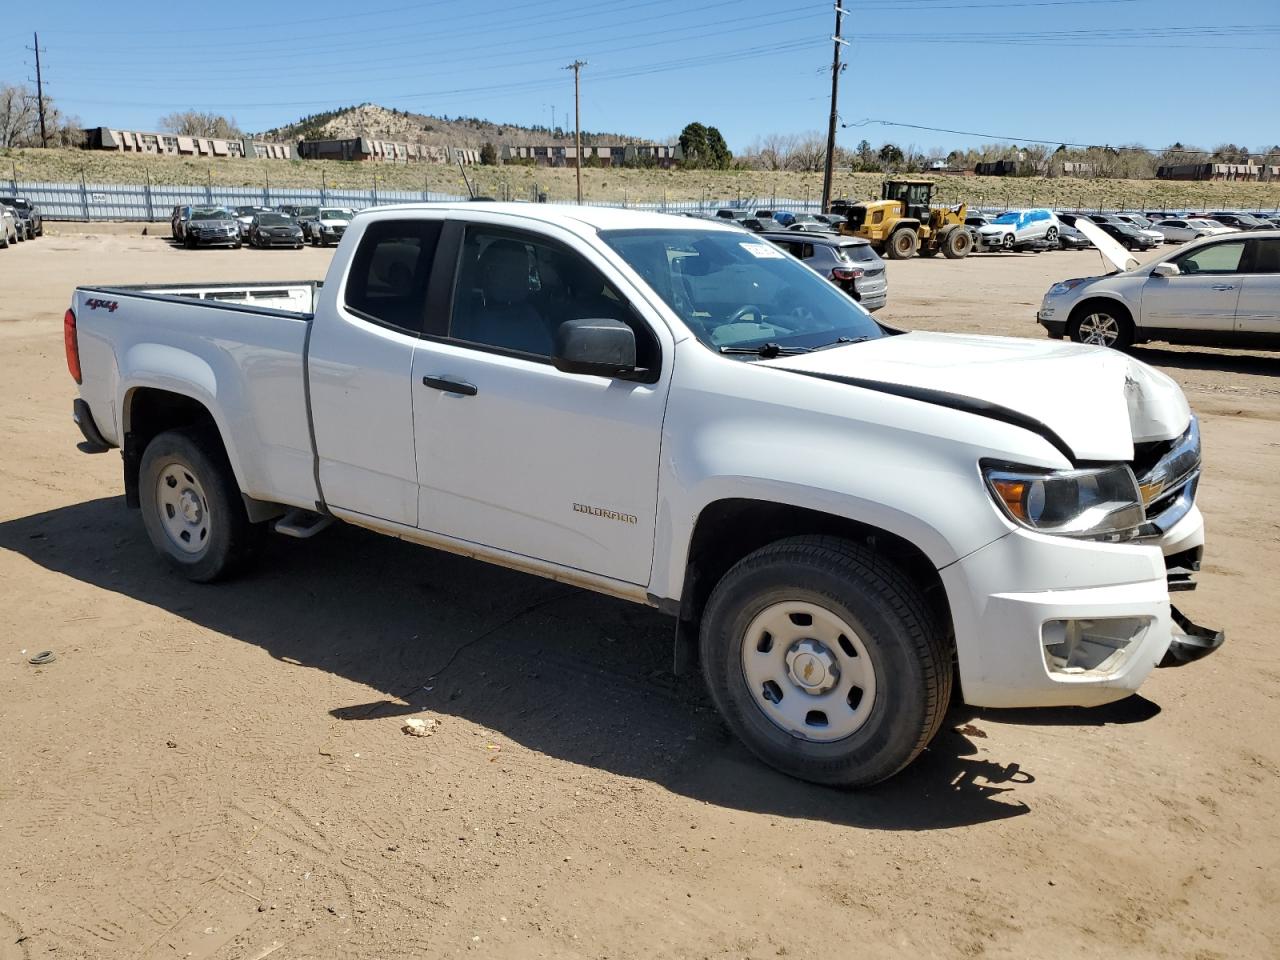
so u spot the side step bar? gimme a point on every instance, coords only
(301, 524)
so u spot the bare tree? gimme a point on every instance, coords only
(808, 152)
(17, 115)
(193, 123)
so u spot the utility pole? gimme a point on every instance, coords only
(831, 126)
(44, 135)
(576, 67)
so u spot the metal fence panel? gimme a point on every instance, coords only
(155, 202)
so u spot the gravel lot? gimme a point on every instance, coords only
(219, 772)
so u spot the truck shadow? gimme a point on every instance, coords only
(1186, 358)
(570, 674)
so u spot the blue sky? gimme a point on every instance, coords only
(1087, 71)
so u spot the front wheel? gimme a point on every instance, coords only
(1008, 242)
(191, 506)
(1102, 326)
(903, 244)
(826, 661)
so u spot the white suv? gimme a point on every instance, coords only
(1221, 290)
(1016, 228)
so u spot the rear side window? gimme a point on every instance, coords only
(859, 251)
(390, 271)
(1266, 256)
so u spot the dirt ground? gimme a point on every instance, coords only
(218, 771)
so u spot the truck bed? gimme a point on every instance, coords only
(242, 348)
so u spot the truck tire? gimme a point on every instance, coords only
(1101, 323)
(902, 244)
(824, 659)
(191, 506)
(957, 244)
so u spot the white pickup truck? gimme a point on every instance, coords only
(844, 519)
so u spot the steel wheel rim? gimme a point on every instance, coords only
(1099, 329)
(183, 509)
(808, 671)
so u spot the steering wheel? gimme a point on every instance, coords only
(745, 310)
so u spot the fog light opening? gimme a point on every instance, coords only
(1097, 646)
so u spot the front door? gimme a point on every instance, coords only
(1202, 297)
(514, 454)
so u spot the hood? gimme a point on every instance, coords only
(998, 228)
(1113, 254)
(1098, 402)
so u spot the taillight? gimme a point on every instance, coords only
(72, 344)
(846, 273)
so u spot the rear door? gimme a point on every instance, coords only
(1258, 310)
(360, 361)
(514, 454)
(1203, 297)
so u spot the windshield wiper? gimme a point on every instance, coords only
(841, 341)
(766, 350)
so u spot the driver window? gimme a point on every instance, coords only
(514, 291)
(1219, 258)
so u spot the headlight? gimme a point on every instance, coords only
(1101, 503)
(1066, 286)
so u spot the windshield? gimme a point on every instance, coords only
(273, 219)
(1006, 218)
(734, 290)
(329, 213)
(210, 213)
(306, 211)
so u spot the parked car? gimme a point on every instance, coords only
(1142, 224)
(760, 224)
(30, 222)
(1126, 234)
(8, 227)
(244, 217)
(1221, 290)
(1180, 230)
(275, 230)
(849, 262)
(1020, 228)
(178, 222)
(851, 520)
(211, 227)
(1069, 238)
(815, 226)
(1241, 221)
(726, 213)
(1273, 220)
(329, 225)
(306, 217)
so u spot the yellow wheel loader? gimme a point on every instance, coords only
(903, 222)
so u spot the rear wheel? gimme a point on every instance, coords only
(903, 244)
(191, 506)
(1052, 236)
(1102, 325)
(957, 244)
(826, 661)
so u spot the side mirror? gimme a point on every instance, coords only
(1165, 270)
(602, 348)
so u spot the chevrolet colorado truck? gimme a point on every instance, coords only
(845, 521)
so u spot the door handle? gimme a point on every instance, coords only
(450, 386)
(1224, 286)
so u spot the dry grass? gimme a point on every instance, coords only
(63, 166)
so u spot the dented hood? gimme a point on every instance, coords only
(1113, 254)
(1097, 401)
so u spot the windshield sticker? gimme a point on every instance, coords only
(762, 251)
